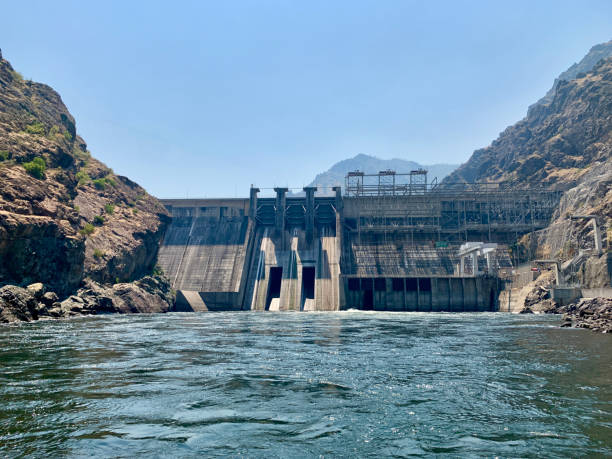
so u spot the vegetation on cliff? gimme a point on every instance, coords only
(52, 190)
(564, 142)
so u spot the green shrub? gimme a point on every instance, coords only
(157, 271)
(76, 151)
(17, 76)
(53, 132)
(67, 136)
(36, 167)
(35, 128)
(134, 211)
(77, 208)
(99, 220)
(87, 229)
(98, 254)
(4, 155)
(102, 183)
(109, 208)
(83, 177)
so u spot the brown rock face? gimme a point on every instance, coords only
(151, 294)
(34, 248)
(557, 142)
(17, 304)
(591, 313)
(73, 218)
(565, 142)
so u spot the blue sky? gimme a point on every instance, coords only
(205, 98)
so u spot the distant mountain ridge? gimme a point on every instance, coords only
(336, 174)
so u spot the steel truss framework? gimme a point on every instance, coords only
(387, 183)
(441, 211)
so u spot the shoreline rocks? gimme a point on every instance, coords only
(150, 294)
(592, 313)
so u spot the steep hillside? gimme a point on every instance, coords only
(64, 216)
(586, 64)
(335, 175)
(565, 144)
(556, 143)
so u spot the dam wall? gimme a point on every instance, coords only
(220, 255)
(390, 272)
(379, 247)
(205, 252)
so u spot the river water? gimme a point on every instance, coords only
(305, 385)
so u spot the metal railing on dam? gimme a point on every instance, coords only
(336, 252)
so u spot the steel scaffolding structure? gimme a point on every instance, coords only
(450, 209)
(387, 183)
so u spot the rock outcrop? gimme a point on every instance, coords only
(17, 304)
(565, 143)
(150, 294)
(64, 216)
(591, 313)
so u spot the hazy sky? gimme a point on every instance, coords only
(205, 98)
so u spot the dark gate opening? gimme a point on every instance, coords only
(274, 284)
(367, 286)
(308, 284)
(368, 300)
(492, 300)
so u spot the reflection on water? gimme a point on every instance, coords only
(296, 384)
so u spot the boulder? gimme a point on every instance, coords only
(17, 304)
(592, 313)
(37, 290)
(151, 294)
(49, 298)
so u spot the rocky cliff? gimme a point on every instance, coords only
(576, 70)
(64, 216)
(565, 142)
(557, 143)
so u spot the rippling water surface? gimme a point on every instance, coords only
(305, 384)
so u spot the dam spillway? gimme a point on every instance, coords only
(389, 248)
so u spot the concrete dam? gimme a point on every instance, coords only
(385, 241)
